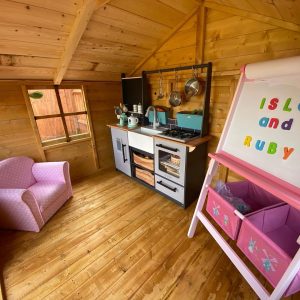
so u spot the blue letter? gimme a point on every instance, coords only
(260, 145)
(263, 122)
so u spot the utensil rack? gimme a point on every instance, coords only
(208, 67)
(199, 66)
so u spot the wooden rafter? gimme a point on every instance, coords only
(187, 18)
(253, 16)
(81, 21)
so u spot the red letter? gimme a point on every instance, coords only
(273, 123)
(273, 103)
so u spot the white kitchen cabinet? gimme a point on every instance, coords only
(121, 150)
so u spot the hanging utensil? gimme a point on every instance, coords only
(160, 92)
(192, 87)
(118, 111)
(175, 96)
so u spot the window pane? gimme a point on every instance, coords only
(51, 128)
(43, 102)
(72, 100)
(77, 124)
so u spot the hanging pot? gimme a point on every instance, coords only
(192, 87)
(175, 96)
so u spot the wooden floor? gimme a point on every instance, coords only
(116, 239)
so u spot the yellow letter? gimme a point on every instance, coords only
(247, 140)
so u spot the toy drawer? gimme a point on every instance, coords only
(269, 239)
(169, 188)
(224, 213)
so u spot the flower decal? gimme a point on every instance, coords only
(226, 220)
(251, 245)
(268, 263)
(216, 209)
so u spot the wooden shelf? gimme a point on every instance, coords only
(267, 181)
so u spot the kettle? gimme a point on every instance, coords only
(132, 121)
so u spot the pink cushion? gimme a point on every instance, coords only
(46, 193)
(16, 172)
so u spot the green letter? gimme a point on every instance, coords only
(287, 104)
(272, 148)
(262, 103)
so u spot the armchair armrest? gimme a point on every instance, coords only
(11, 194)
(52, 171)
(19, 210)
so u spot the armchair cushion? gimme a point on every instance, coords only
(46, 193)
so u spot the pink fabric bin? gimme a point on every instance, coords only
(223, 212)
(269, 239)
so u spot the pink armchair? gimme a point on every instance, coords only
(31, 193)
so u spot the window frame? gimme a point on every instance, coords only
(67, 139)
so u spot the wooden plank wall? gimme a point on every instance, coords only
(17, 136)
(103, 96)
(230, 42)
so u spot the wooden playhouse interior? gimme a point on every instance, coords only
(116, 239)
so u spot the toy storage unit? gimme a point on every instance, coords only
(267, 156)
(225, 214)
(269, 239)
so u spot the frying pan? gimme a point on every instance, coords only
(175, 96)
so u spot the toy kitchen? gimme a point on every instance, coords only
(165, 154)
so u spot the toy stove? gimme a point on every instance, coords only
(181, 134)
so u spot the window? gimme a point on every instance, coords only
(60, 114)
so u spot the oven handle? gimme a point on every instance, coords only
(166, 147)
(123, 152)
(166, 186)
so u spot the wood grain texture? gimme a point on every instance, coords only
(165, 40)
(127, 242)
(279, 9)
(121, 243)
(17, 136)
(102, 99)
(255, 16)
(39, 38)
(81, 21)
(123, 33)
(230, 41)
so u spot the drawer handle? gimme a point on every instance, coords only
(168, 148)
(166, 186)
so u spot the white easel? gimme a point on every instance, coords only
(260, 174)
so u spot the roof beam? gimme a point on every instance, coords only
(175, 29)
(253, 16)
(82, 19)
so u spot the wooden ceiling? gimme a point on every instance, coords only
(98, 39)
(286, 10)
(35, 36)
